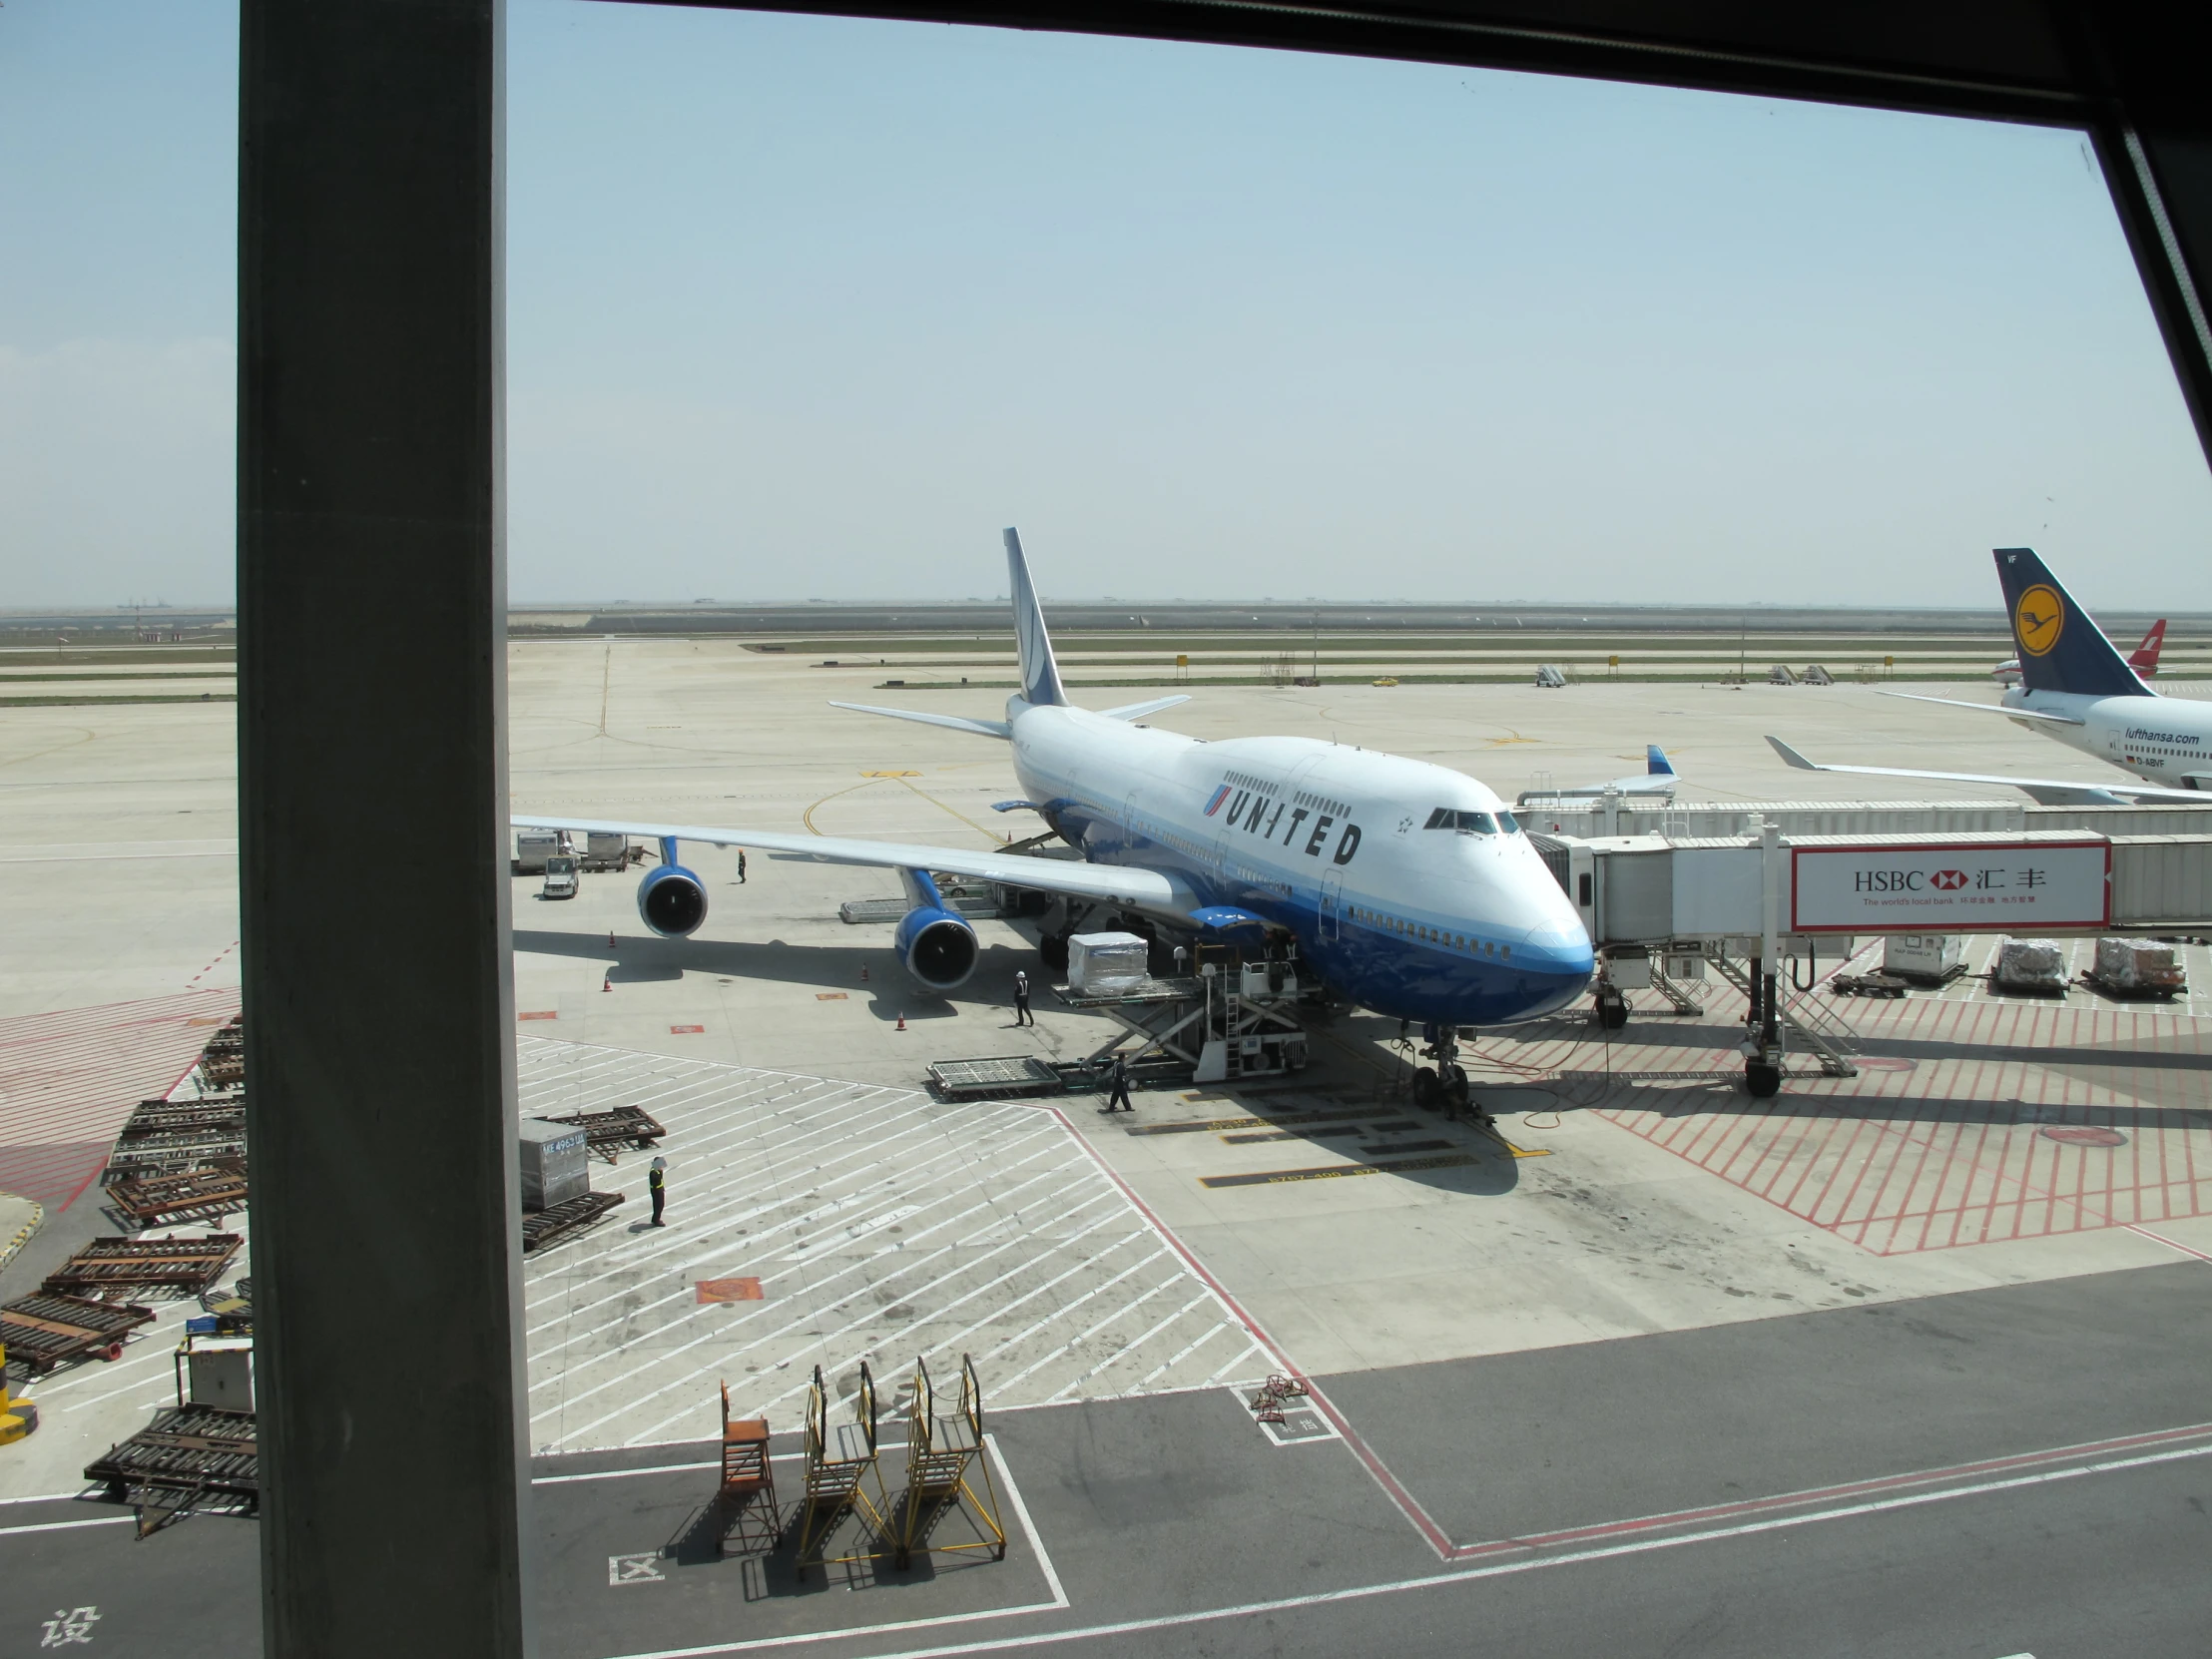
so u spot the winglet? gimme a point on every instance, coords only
(1791, 757)
(1656, 763)
(1040, 675)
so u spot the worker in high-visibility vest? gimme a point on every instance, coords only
(656, 1182)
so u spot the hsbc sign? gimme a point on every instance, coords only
(1953, 888)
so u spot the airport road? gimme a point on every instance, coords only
(1950, 1476)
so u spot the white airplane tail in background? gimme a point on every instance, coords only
(1040, 675)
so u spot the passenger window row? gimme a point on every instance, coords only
(1432, 935)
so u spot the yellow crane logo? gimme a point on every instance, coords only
(2038, 619)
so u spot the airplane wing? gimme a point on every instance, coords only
(1989, 709)
(1143, 889)
(955, 722)
(1137, 711)
(2044, 792)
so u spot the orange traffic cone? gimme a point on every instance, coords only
(902, 1022)
(607, 983)
(864, 973)
(610, 946)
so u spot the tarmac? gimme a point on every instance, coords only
(1881, 1366)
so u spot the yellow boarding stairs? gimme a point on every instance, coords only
(17, 1417)
(944, 1456)
(839, 1458)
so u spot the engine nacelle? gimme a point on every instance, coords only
(939, 947)
(672, 902)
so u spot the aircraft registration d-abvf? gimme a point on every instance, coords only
(1409, 886)
(2076, 689)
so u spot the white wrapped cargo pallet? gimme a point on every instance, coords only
(1100, 963)
(2142, 965)
(2029, 965)
(555, 1163)
(1932, 957)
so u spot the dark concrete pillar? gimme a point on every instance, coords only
(372, 825)
(2160, 173)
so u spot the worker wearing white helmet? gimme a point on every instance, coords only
(657, 1184)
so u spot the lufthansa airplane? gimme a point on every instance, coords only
(2078, 689)
(1409, 886)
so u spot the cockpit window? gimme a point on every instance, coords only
(1452, 818)
(1508, 823)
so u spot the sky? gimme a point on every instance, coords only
(812, 308)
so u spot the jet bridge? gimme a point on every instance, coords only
(1749, 903)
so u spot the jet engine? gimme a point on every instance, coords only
(672, 902)
(937, 946)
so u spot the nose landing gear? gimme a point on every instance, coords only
(1445, 1087)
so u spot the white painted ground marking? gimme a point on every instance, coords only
(1497, 1569)
(635, 1569)
(1132, 1347)
(998, 1208)
(1219, 1326)
(64, 1527)
(1014, 1501)
(69, 1628)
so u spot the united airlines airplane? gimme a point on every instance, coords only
(2076, 689)
(1408, 886)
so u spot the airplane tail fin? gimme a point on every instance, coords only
(1656, 762)
(2144, 659)
(1040, 675)
(2062, 649)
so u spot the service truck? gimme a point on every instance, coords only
(561, 880)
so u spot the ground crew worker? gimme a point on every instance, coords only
(656, 1182)
(1118, 1100)
(1022, 1015)
(741, 867)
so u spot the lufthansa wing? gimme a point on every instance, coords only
(2044, 792)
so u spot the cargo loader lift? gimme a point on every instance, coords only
(942, 1455)
(840, 1460)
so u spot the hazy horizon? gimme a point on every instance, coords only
(842, 297)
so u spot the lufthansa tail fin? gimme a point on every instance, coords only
(2061, 650)
(1656, 764)
(1040, 675)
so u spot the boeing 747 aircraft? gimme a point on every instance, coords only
(1408, 886)
(2077, 689)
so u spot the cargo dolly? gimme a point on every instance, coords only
(52, 1328)
(543, 1229)
(189, 1457)
(107, 1267)
(174, 1152)
(606, 1133)
(196, 1195)
(841, 1460)
(170, 1116)
(944, 1456)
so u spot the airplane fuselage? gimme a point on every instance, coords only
(2161, 740)
(1377, 864)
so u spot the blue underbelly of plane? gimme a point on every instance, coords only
(1395, 977)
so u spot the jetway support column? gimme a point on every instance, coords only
(1763, 1047)
(372, 685)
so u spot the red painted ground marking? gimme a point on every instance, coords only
(1408, 1505)
(1884, 1062)
(729, 1290)
(2088, 1451)
(540, 1013)
(686, 1030)
(832, 996)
